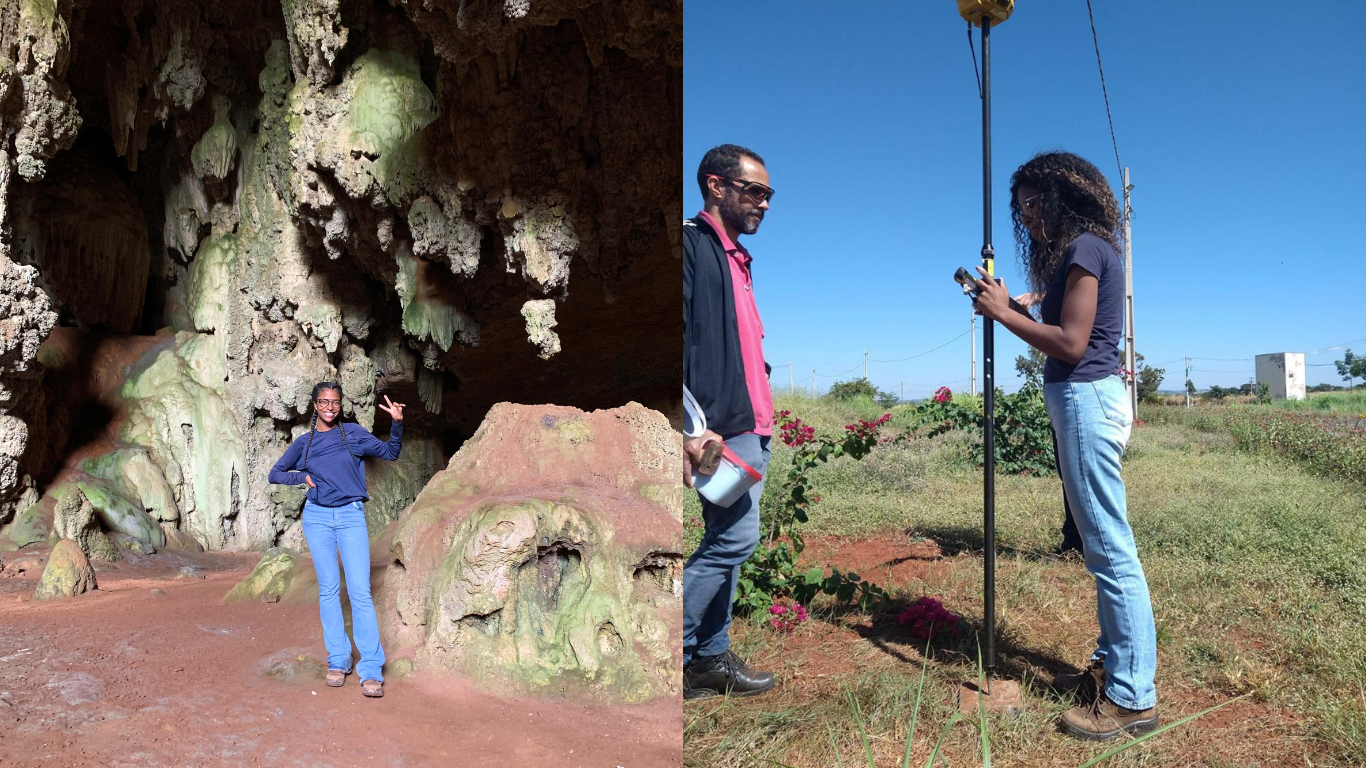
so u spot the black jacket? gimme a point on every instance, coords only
(713, 370)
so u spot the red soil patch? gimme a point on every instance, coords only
(884, 560)
(120, 677)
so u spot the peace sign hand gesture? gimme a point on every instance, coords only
(393, 409)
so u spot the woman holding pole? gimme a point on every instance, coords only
(1065, 219)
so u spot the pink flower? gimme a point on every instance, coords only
(926, 617)
(943, 395)
(784, 616)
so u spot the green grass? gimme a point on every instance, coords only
(1258, 575)
(1350, 404)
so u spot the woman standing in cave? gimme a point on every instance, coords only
(329, 461)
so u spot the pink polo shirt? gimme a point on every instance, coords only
(751, 330)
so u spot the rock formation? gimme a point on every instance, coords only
(546, 557)
(220, 202)
(68, 573)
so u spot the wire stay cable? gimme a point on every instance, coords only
(1095, 39)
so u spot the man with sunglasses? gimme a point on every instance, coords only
(724, 369)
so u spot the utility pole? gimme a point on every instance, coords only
(1188, 378)
(813, 382)
(865, 365)
(1130, 361)
(789, 378)
(903, 392)
(972, 337)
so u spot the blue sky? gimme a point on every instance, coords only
(1242, 132)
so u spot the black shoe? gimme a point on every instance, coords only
(1066, 551)
(723, 675)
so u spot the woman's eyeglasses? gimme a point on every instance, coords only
(754, 189)
(1032, 203)
(328, 403)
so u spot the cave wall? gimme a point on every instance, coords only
(453, 203)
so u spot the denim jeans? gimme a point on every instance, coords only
(730, 536)
(328, 531)
(1092, 421)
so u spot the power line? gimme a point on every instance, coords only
(837, 375)
(1096, 40)
(922, 354)
(1334, 347)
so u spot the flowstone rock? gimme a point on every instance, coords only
(270, 578)
(133, 475)
(533, 561)
(68, 573)
(74, 519)
(215, 153)
(190, 433)
(119, 514)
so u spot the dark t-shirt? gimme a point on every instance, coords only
(1101, 358)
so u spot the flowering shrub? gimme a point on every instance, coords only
(1023, 440)
(770, 574)
(927, 617)
(785, 615)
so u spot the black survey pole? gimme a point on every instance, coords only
(988, 374)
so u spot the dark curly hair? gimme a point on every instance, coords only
(1076, 199)
(318, 389)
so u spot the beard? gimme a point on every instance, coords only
(735, 216)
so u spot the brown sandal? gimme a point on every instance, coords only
(336, 678)
(372, 688)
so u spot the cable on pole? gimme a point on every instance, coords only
(975, 72)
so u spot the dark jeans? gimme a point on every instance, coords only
(1071, 539)
(730, 537)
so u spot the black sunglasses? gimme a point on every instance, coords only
(754, 189)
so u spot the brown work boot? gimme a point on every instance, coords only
(1085, 685)
(1103, 720)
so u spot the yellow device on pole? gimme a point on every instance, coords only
(996, 10)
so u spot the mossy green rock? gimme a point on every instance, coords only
(31, 525)
(74, 518)
(270, 578)
(132, 474)
(68, 573)
(119, 514)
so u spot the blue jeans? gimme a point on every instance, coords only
(730, 536)
(328, 531)
(1092, 421)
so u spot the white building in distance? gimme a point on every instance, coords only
(1283, 374)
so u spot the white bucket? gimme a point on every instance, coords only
(732, 480)
(696, 421)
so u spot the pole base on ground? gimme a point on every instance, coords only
(1001, 697)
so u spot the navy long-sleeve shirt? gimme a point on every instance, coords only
(339, 474)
